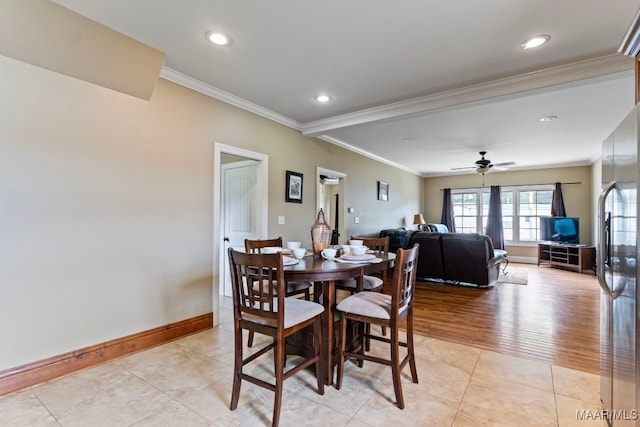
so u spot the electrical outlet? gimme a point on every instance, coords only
(356, 220)
(281, 220)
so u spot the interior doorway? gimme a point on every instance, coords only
(331, 188)
(240, 185)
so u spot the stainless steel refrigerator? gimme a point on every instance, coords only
(617, 274)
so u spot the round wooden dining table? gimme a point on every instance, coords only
(324, 273)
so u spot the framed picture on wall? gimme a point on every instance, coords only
(293, 190)
(383, 191)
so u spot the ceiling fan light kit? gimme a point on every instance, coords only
(484, 166)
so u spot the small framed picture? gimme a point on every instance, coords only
(294, 187)
(383, 191)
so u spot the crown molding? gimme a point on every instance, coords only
(630, 44)
(198, 86)
(563, 74)
(362, 152)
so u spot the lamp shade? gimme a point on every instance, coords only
(418, 219)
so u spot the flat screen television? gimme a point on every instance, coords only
(560, 229)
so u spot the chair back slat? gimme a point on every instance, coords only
(377, 244)
(404, 277)
(257, 283)
(256, 246)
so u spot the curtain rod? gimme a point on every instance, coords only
(516, 185)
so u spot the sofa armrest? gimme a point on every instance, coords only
(495, 260)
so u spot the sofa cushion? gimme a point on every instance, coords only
(398, 238)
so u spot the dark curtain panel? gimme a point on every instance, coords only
(557, 202)
(494, 221)
(447, 211)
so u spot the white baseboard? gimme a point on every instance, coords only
(523, 259)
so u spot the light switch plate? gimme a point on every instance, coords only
(356, 220)
(280, 220)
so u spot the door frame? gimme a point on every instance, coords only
(342, 189)
(262, 207)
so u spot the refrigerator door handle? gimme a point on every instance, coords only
(603, 239)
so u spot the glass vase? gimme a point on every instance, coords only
(320, 234)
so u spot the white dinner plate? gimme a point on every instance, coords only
(351, 257)
(289, 261)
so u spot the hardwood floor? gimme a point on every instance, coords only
(554, 318)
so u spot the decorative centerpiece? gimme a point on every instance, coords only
(320, 234)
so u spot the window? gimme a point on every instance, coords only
(465, 211)
(521, 211)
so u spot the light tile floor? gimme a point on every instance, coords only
(188, 383)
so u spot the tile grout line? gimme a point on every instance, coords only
(475, 365)
(164, 393)
(46, 408)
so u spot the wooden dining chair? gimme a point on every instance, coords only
(385, 310)
(271, 313)
(379, 245)
(292, 288)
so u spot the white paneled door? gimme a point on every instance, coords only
(240, 219)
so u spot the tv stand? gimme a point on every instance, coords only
(570, 256)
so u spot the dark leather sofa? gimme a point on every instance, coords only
(451, 257)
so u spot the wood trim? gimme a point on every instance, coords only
(31, 374)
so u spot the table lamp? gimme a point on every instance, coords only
(418, 220)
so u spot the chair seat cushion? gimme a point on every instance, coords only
(297, 286)
(370, 304)
(292, 287)
(368, 283)
(295, 311)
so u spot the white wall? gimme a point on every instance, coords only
(106, 205)
(105, 214)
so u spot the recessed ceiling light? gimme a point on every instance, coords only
(535, 42)
(323, 98)
(548, 118)
(220, 39)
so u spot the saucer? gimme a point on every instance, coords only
(351, 257)
(286, 260)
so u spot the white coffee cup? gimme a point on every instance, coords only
(293, 245)
(298, 252)
(355, 242)
(358, 250)
(346, 249)
(329, 253)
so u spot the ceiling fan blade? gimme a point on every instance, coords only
(467, 167)
(504, 165)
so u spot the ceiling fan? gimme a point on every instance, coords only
(484, 166)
